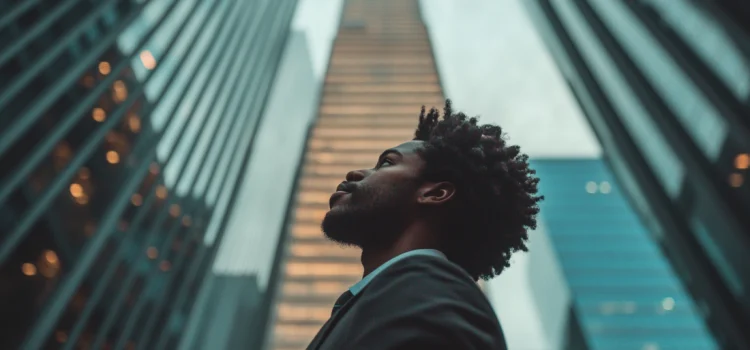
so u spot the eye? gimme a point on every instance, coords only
(384, 161)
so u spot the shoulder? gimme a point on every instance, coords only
(436, 293)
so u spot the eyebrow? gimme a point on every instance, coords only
(389, 151)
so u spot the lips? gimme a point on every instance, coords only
(343, 187)
(335, 197)
(342, 190)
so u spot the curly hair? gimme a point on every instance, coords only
(495, 202)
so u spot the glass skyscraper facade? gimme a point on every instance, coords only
(665, 85)
(624, 293)
(124, 129)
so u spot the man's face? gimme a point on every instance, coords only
(373, 206)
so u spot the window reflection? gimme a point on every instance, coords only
(706, 37)
(669, 170)
(698, 117)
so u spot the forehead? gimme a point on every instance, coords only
(409, 147)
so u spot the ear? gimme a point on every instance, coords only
(437, 193)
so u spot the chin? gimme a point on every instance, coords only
(339, 227)
(357, 223)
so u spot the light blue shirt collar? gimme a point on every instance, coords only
(365, 281)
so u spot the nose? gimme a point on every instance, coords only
(355, 175)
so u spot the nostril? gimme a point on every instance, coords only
(354, 175)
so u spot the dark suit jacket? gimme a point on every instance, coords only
(421, 302)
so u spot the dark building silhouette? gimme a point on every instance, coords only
(666, 85)
(124, 129)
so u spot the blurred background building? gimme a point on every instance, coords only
(665, 85)
(165, 164)
(124, 129)
(621, 291)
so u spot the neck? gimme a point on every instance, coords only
(413, 238)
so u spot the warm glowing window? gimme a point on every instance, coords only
(320, 184)
(367, 121)
(371, 145)
(334, 289)
(314, 197)
(119, 91)
(148, 59)
(104, 68)
(297, 331)
(742, 161)
(394, 133)
(310, 214)
(300, 230)
(366, 78)
(323, 250)
(98, 114)
(304, 313)
(405, 110)
(136, 199)
(161, 191)
(28, 269)
(134, 123)
(113, 157)
(324, 269)
(425, 60)
(736, 180)
(402, 88)
(76, 190)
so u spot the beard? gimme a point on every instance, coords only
(370, 218)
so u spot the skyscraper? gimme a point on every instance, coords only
(380, 71)
(623, 292)
(665, 85)
(124, 128)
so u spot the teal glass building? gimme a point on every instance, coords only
(623, 292)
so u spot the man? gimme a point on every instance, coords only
(432, 216)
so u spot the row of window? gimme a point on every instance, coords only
(128, 134)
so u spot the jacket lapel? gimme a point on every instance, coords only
(328, 326)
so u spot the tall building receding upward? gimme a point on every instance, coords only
(666, 87)
(124, 128)
(380, 72)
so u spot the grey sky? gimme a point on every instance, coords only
(319, 20)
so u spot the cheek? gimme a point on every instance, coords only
(386, 188)
(363, 195)
(391, 195)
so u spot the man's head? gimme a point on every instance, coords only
(476, 194)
